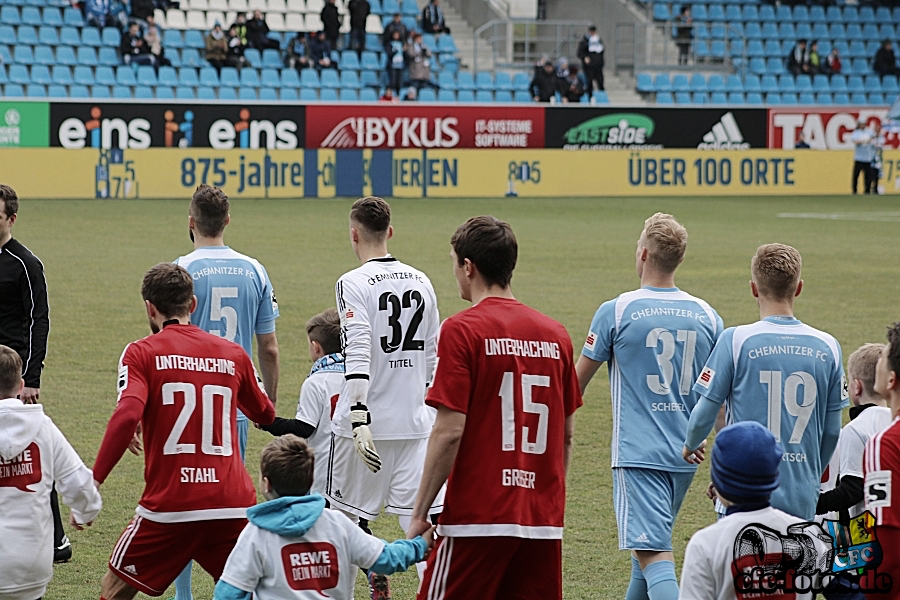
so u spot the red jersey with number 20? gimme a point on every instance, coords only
(510, 369)
(190, 384)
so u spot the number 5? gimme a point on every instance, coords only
(507, 407)
(217, 312)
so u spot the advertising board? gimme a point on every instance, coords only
(823, 129)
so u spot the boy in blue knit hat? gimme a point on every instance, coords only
(745, 460)
(295, 548)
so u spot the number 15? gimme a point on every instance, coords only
(508, 414)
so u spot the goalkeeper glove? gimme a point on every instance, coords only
(362, 437)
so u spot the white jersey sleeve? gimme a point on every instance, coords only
(356, 328)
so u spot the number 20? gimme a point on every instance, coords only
(173, 444)
(508, 413)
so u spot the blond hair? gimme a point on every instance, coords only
(666, 242)
(10, 372)
(861, 365)
(775, 269)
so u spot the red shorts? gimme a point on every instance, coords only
(150, 555)
(493, 568)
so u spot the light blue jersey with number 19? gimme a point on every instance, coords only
(235, 299)
(787, 376)
(655, 341)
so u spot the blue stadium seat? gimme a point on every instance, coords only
(662, 83)
(68, 36)
(369, 79)
(878, 100)
(40, 74)
(350, 80)
(644, 83)
(769, 83)
(7, 35)
(267, 94)
(184, 93)
(820, 83)
(271, 59)
(769, 30)
(19, 74)
(859, 66)
(112, 37)
(820, 31)
(146, 75)
(855, 98)
(91, 37)
(775, 65)
(249, 78)
(309, 79)
(665, 98)
(253, 57)
(854, 32)
(121, 92)
(749, 13)
(758, 66)
(850, 14)
(824, 99)
(105, 76)
(186, 76)
(209, 77)
(23, 55)
(174, 57)
(871, 47)
(369, 95)
(867, 15)
(895, 14)
(9, 15)
(143, 93)
(449, 64)
(411, 23)
(804, 31)
(882, 14)
(754, 98)
(717, 31)
(718, 98)
(752, 83)
(125, 75)
(838, 83)
(755, 48)
(521, 81)
(446, 81)
(100, 92)
(57, 91)
(328, 95)
(172, 38)
(52, 17)
(889, 85)
(519, 96)
(289, 79)
(680, 83)
(369, 61)
(502, 81)
(164, 92)
(698, 83)
(787, 31)
(872, 84)
(716, 13)
(35, 91)
(783, 13)
(26, 34)
(446, 44)
(484, 81)
(661, 11)
(837, 32)
(801, 14)
(14, 90)
(484, 96)
(206, 93)
(773, 98)
(804, 84)
(307, 94)
(773, 48)
(349, 60)
(227, 93)
(733, 83)
(701, 32)
(61, 75)
(467, 96)
(841, 99)
(504, 96)
(753, 31)
(857, 49)
(789, 99)
(194, 39)
(701, 50)
(328, 78)
(79, 91)
(817, 13)
(409, 8)
(732, 12)
(229, 77)
(806, 99)
(269, 79)
(47, 36)
(346, 95)
(465, 81)
(833, 14)
(735, 98)
(717, 49)
(450, 96)
(284, 94)
(683, 98)
(43, 55)
(72, 17)
(83, 75)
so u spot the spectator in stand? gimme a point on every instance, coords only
(258, 33)
(562, 67)
(863, 152)
(798, 59)
(99, 13)
(154, 41)
(545, 83)
(590, 53)
(815, 61)
(235, 57)
(297, 53)
(684, 33)
(240, 25)
(571, 87)
(885, 61)
(320, 52)
(801, 143)
(331, 22)
(412, 95)
(877, 164)
(833, 62)
(396, 62)
(134, 49)
(433, 18)
(418, 56)
(388, 96)
(216, 47)
(395, 25)
(142, 9)
(359, 13)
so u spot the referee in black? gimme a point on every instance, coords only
(25, 324)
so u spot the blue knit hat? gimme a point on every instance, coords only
(745, 459)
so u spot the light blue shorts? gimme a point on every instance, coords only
(646, 503)
(243, 430)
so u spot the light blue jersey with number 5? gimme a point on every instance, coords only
(655, 341)
(787, 376)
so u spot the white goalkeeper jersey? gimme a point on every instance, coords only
(389, 326)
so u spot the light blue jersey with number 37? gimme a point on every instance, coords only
(787, 376)
(655, 341)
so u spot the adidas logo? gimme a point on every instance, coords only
(130, 569)
(642, 538)
(337, 494)
(724, 135)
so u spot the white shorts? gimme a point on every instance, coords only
(353, 488)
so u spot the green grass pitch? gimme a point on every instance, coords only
(574, 254)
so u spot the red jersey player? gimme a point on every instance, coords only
(881, 467)
(506, 393)
(183, 385)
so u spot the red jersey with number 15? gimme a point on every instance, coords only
(510, 369)
(190, 384)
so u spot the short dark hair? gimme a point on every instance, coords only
(491, 246)
(209, 207)
(325, 328)
(169, 288)
(10, 200)
(893, 336)
(10, 372)
(373, 213)
(287, 462)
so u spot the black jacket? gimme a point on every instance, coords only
(388, 34)
(885, 61)
(359, 12)
(257, 32)
(331, 20)
(141, 9)
(24, 311)
(596, 57)
(133, 45)
(544, 85)
(432, 19)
